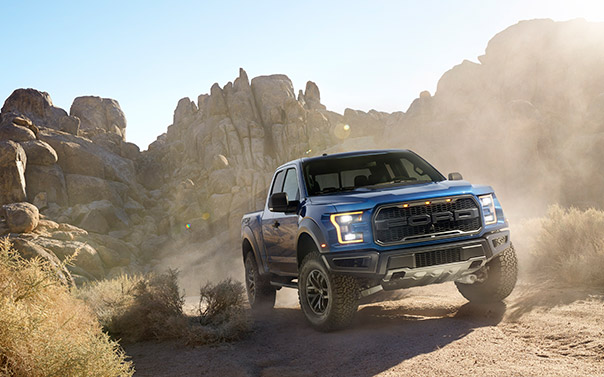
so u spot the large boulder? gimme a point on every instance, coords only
(21, 217)
(82, 189)
(15, 132)
(116, 217)
(86, 259)
(94, 221)
(78, 155)
(48, 179)
(38, 107)
(76, 159)
(98, 113)
(13, 161)
(112, 258)
(271, 93)
(39, 152)
(28, 249)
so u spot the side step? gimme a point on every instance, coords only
(290, 284)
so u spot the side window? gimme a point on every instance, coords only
(278, 182)
(290, 186)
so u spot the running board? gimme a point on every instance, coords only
(286, 285)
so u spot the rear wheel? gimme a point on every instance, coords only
(328, 301)
(260, 293)
(502, 273)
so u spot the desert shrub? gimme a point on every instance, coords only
(570, 247)
(150, 307)
(44, 330)
(138, 308)
(221, 313)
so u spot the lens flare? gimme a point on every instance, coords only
(342, 131)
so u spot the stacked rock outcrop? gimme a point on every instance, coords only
(84, 178)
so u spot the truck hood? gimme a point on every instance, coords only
(365, 198)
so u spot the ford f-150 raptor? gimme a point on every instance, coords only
(344, 226)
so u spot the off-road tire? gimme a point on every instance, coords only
(502, 273)
(260, 293)
(342, 291)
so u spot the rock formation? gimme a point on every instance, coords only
(528, 114)
(79, 177)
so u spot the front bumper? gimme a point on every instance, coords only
(418, 266)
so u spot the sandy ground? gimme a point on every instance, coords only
(431, 331)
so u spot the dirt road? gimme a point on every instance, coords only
(432, 331)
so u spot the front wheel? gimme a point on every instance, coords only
(260, 293)
(328, 301)
(502, 273)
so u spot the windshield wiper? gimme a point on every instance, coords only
(329, 190)
(403, 181)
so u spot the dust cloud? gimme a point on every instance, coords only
(527, 119)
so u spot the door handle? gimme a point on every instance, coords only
(276, 224)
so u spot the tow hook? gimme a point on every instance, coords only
(468, 279)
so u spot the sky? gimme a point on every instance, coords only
(149, 54)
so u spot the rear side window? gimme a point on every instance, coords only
(278, 182)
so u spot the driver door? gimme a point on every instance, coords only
(280, 229)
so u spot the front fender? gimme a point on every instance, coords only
(310, 227)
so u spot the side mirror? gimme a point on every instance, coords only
(455, 177)
(278, 203)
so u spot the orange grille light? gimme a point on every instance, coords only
(427, 202)
(405, 205)
(448, 200)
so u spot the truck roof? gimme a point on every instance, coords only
(344, 155)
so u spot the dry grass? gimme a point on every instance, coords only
(221, 313)
(149, 307)
(44, 330)
(138, 308)
(570, 247)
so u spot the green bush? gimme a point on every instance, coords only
(44, 330)
(570, 247)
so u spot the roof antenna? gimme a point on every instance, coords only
(324, 154)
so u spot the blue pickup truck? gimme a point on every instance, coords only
(345, 226)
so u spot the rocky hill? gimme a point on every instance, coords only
(528, 118)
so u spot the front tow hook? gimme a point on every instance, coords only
(468, 279)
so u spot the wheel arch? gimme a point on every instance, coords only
(249, 245)
(309, 239)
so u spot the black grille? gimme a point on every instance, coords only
(433, 258)
(391, 225)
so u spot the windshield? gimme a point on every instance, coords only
(326, 175)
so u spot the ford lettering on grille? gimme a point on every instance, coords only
(396, 223)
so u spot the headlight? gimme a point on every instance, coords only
(343, 223)
(488, 209)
